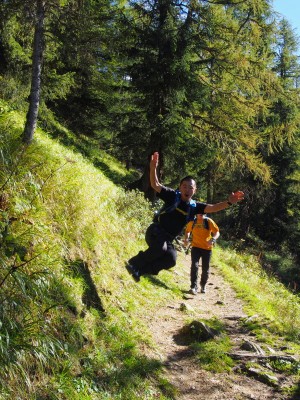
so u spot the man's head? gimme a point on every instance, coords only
(187, 188)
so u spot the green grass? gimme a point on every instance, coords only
(212, 354)
(72, 318)
(73, 322)
(275, 310)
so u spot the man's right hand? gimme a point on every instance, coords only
(154, 159)
(155, 184)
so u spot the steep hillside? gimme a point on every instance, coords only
(70, 322)
(73, 322)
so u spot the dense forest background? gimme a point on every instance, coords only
(213, 85)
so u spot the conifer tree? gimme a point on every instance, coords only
(158, 72)
(85, 57)
(25, 26)
(284, 158)
(201, 72)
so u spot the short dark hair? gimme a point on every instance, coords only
(187, 178)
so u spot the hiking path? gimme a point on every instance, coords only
(172, 345)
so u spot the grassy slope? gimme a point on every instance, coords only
(79, 318)
(76, 229)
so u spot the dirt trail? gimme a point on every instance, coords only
(182, 371)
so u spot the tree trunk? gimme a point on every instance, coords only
(37, 58)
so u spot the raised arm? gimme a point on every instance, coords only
(153, 174)
(232, 199)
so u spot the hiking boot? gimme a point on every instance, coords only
(203, 289)
(133, 272)
(193, 291)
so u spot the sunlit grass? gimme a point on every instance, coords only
(212, 354)
(74, 323)
(66, 211)
(80, 229)
(276, 308)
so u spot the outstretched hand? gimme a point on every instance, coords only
(154, 159)
(235, 197)
(155, 184)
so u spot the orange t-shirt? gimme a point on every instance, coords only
(201, 235)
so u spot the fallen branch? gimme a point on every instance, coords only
(274, 357)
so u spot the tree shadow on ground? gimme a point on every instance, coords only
(90, 295)
(87, 146)
(114, 176)
(183, 338)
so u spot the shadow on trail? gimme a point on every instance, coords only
(183, 354)
(157, 282)
(187, 292)
(183, 339)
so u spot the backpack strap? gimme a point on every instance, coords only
(174, 206)
(190, 216)
(205, 222)
(167, 209)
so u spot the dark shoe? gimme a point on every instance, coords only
(203, 289)
(133, 272)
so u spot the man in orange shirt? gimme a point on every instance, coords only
(204, 232)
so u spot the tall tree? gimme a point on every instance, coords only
(284, 158)
(276, 205)
(158, 72)
(24, 27)
(85, 55)
(202, 72)
(37, 58)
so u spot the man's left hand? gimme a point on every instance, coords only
(235, 197)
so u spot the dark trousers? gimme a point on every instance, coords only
(160, 254)
(205, 255)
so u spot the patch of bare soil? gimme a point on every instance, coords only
(180, 366)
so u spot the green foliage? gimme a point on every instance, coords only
(80, 55)
(72, 319)
(281, 263)
(168, 389)
(31, 294)
(214, 87)
(134, 208)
